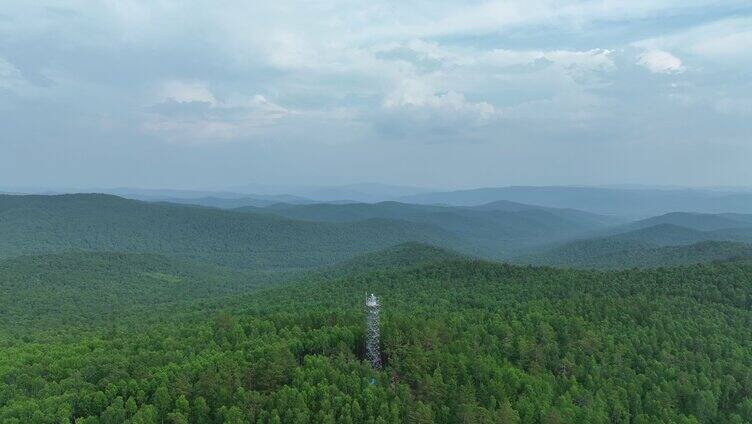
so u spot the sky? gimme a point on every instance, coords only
(441, 94)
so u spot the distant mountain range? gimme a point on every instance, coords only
(670, 239)
(360, 192)
(495, 230)
(698, 221)
(277, 236)
(97, 222)
(632, 203)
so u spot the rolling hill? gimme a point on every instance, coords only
(675, 238)
(625, 253)
(572, 214)
(698, 221)
(683, 228)
(662, 244)
(631, 203)
(665, 235)
(78, 287)
(403, 255)
(216, 199)
(493, 231)
(461, 341)
(96, 222)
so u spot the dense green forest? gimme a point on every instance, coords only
(83, 288)
(115, 310)
(289, 237)
(281, 236)
(672, 235)
(670, 239)
(48, 224)
(462, 341)
(615, 253)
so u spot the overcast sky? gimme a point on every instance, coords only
(450, 94)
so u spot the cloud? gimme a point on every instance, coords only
(415, 94)
(189, 112)
(726, 45)
(573, 62)
(451, 90)
(725, 41)
(415, 108)
(479, 18)
(303, 75)
(11, 77)
(186, 91)
(660, 62)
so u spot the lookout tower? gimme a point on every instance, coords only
(372, 331)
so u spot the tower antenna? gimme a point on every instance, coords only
(372, 331)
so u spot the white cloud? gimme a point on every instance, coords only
(660, 62)
(10, 76)
(186, 91)
(425, 20)
(579, 61)
(458, 62)
(436, 89)
(415, 94)
(190, 112)
(729, 45)
(726, 41)
(417, 108)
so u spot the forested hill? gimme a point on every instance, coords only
(550, 218)
(671, 234)
(494, 231)
(626, 202)
(698, 221)
(462, 341)
(82, 288)
(43, 224)
(626, 253)
(653, 242)
(403, 255)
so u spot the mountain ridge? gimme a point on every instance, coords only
(45, 224)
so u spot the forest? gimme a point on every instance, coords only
(462, 341)
(291, 237)
(121, 311)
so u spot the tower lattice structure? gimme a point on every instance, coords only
(372, 331)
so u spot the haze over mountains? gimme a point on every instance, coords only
(633, 202)
(283, 231)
